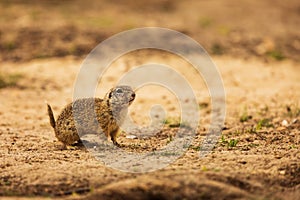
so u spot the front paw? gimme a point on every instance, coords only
(117, 144)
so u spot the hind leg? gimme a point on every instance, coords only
(113, 136)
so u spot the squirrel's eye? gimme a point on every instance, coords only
(119, 90)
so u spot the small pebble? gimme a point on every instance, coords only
(284, 123)
(131, 136)
(282, 172)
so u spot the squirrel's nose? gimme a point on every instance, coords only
(133, 95)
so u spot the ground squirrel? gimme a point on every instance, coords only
(93, 115)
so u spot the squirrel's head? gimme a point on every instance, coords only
(121, 96)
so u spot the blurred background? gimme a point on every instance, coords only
(267, 29)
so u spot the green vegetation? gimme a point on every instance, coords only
(276, 54)
(245, 116)
(293, 146)
(217, 49)
(168, 153)
(204, 168)
(205, 22)
(229, 143)
(174, 123)
(224, 30)
(42, 55)
(9, 45)
(203, 105)
(170, 139)
(9, 80)
(251, 130)
(35, 14)
(264, 123)
(102, 22)
(232, 142)
(196, 148)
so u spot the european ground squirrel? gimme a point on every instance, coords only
(93, 115)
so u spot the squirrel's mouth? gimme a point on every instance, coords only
(131, 99)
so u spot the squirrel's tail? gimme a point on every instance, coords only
(51, 116)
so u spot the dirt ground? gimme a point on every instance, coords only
(256, 47)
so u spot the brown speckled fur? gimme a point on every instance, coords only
(93, 115)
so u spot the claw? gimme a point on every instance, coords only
(116, 144)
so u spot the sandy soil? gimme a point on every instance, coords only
(257, 156)
(264, 163)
